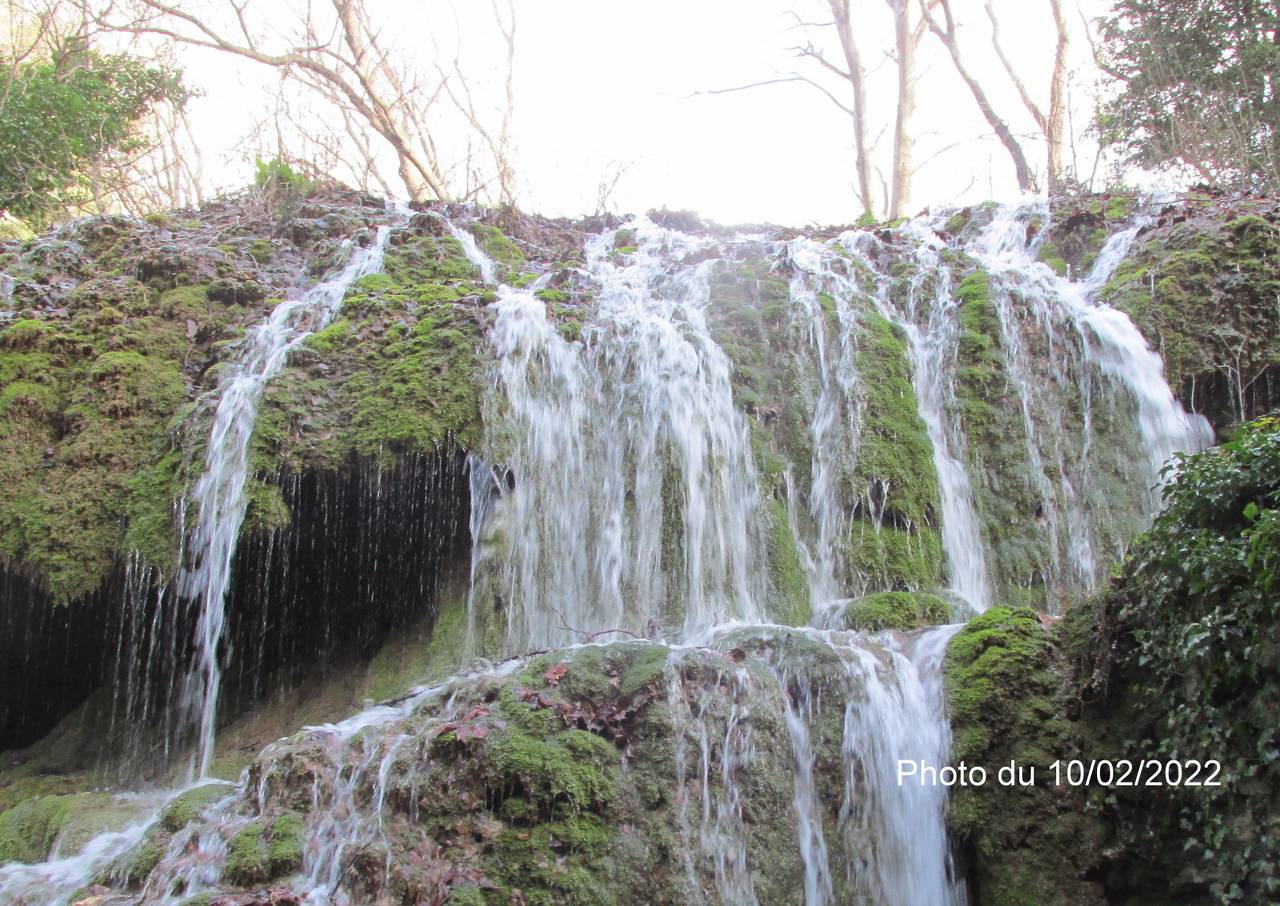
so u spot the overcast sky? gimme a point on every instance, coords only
(608, 84)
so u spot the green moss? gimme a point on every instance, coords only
(265, 509)
(788, 584)
(331, 337)
(1006, 693)
(28, 830)
(247, 856)
(149, 507)
(1120, 207)
(1201, 287)
(424, 656)
(186, 302)
(992, 664)
(394, 374)
(84, 437)
(558, 862)
(284, 849)
(261, 852)
(505, 253)
(990, 415)
(896, 610)
(261, 250)
(186, 807)
(553, 296)
(1049, 255)
(896, 458)
(573, 767)
(133, 870)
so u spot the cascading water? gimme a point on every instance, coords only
(891, 844)
(219, 493)
(619, 494)
(929, 321)
(836, 415)
(1057, 337)
(634, 484)
(55, 882)
(927, 318)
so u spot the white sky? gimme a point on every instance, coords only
(605, 83)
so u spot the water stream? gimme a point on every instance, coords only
(219, 494)
(618, 493)
(634, 486)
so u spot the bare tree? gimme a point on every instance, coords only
(855, 73)
(908, 32)
(333, 49)
(498, 143)
(906, 39)
(1052, 122)
(29, 31)
(166, 172)
(945, 30)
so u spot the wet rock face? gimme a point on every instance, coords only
(623, 773)
(111, 330)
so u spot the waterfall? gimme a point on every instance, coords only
(1056, 335)
(927, 319)
(892, 847)
(834, 428)
(219, 492)
(634, 487)
(720, 832)
(929, 322)
(57, 881)
(619, 491)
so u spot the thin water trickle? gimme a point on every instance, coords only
(219, 492)
(836, 423)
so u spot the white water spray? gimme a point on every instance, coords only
(219, 493)
(618, 443)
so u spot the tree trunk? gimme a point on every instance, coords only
(947, 35)
(904, 43)
(858, 81)
(1056, 121)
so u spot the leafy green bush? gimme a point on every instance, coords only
(1188, 643)
(276, 175)
(61, 116)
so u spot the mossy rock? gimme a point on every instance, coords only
(395, 373)
(187, 806)
(262, 851)
(29, 829)
(898, 610)
(1007, 694)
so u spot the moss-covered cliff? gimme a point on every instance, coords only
(1176, 661)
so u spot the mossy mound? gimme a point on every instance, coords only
(573, 777)
(27, 830)
(264, 851)
(1201, 285)
(186, 807)
(899, 610)
(396, 371)
(1006, 690)
(1079, 227)
(118, 326)
(30, 829)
